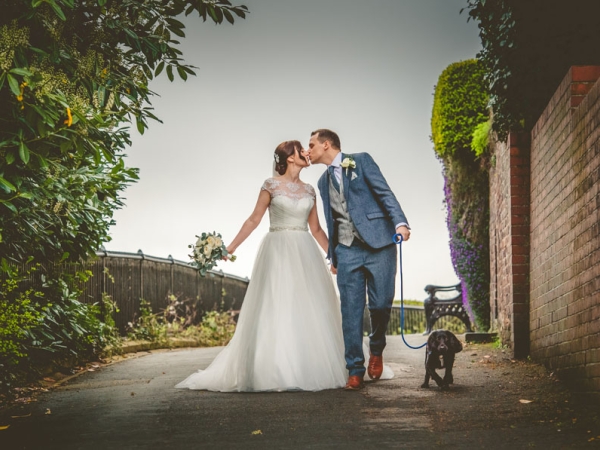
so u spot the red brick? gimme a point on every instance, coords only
(520, 190)
(520, 230)
(519, 220)
(520, 259)
(585, 73)
(581, 88)
(576, 100)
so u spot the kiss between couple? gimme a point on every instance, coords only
(291, 334)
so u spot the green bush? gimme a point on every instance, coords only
(216, 327)
(481, 138)
(43, 325)
(70, 331)
(459, 105)
(74, 77)
(148, 326)
(17, 316)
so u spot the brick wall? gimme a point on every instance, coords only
(565, 231)
(509, 242)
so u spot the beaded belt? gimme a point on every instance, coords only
(288, 229)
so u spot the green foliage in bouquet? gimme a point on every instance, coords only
(207, 251)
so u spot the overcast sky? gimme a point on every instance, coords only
(366, 69)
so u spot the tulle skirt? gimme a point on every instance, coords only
(289, 332)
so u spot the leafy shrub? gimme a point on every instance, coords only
(148, 326)
(481, 138)
(44, 326)
(459, 105)
(17, 316)
(74, 76)
(69, 331)
(216, 327)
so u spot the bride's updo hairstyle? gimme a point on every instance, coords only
(283, 152)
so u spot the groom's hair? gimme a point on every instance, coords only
(323, 134)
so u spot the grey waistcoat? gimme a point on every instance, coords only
(346, 231)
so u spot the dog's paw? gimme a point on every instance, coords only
(448, 379)
(425, 385)
(445, 387)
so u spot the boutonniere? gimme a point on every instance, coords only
(348, 163)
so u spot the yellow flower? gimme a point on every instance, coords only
(20, 96)
(69, 120)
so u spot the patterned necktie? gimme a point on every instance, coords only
(336, 183)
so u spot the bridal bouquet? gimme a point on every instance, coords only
(207, 251)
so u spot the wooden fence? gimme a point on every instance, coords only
(129, 277)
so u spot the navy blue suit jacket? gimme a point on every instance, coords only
(372, 205)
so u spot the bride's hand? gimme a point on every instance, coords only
(229, 256)
(333, 270)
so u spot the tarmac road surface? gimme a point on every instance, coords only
(133, 405)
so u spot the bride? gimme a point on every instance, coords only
(289, 332)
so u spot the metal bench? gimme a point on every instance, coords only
(436, 308)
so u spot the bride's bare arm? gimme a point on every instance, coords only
(316, 230)
(264, 198)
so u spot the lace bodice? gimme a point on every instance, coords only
(290, 204)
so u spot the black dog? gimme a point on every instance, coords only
(442, 345)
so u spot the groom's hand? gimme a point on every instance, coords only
(404, 232)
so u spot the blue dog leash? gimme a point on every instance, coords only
(397, 239)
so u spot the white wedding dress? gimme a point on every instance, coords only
(289, 332)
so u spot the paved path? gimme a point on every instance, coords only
(133, 405)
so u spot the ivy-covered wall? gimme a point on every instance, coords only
(459, 120)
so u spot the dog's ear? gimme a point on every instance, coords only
(432, 341)
(454, 344)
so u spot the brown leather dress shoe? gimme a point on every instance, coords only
(375, 368)
(354, 383)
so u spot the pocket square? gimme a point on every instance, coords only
(353, 176)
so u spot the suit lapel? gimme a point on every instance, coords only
(346, 180)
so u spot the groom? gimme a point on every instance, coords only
(362, 216)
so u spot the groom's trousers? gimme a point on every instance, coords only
(364, 273)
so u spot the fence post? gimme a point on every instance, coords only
(171, 280)
(141, 253)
